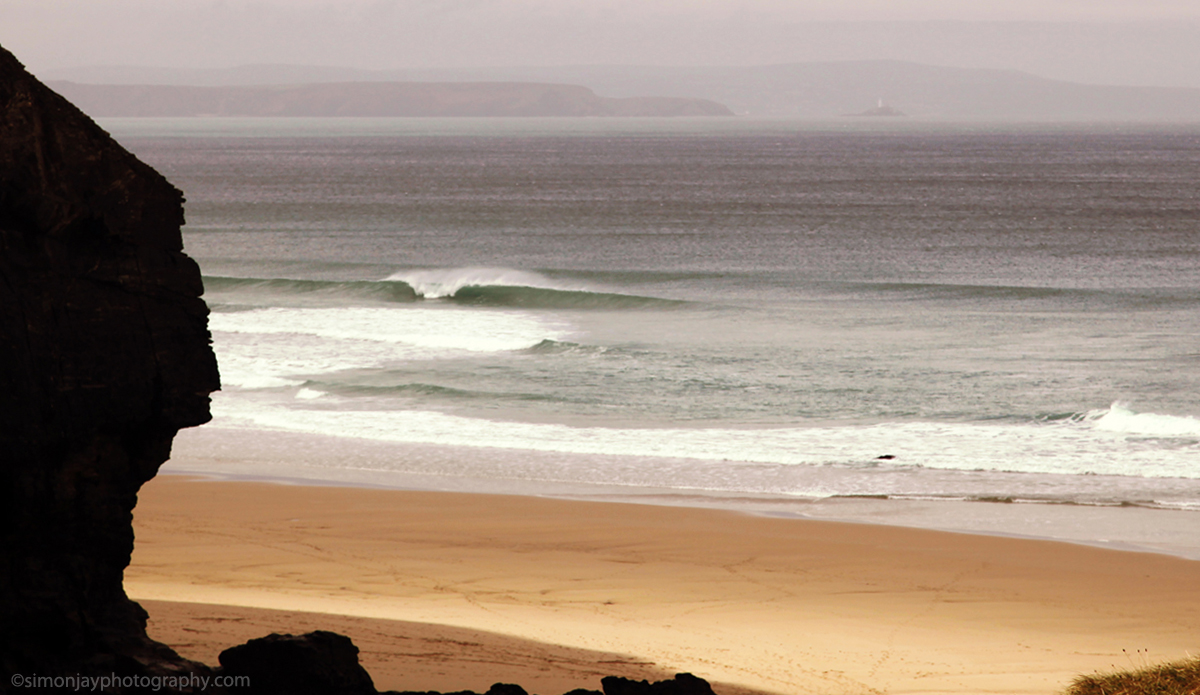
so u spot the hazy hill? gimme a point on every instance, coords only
(798, 90)
(374, 99)
(822, 90)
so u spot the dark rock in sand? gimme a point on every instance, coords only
(104, 355)
(318, 663)
(682, 684)
(496, 689)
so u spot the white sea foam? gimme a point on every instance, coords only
(411, 327)
(250, 378)
(1064, 448)
(444, 282)
(266, 360)
(275, 347)
(1120, 418)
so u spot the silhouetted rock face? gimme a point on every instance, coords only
(318, 663)
(104, 355)
(682, 684)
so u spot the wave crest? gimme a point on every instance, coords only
(1120, 418)
(446, 282)
(521, 289)
(496, 287)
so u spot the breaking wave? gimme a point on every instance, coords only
(467, 286)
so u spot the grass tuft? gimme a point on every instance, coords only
(1174, 678)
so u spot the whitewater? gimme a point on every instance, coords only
(986, 329)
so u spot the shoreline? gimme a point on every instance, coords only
(925, 514)
(310, 459)
(757, 603)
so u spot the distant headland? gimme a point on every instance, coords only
(881, 110)
(808, 91)
(380, 99)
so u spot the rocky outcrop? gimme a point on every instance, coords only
(379, 99)
(104, 356)
(326, 663)
(318, 663)
(681, 684)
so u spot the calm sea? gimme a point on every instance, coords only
(824, 319)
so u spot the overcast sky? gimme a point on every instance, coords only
(1101, 41)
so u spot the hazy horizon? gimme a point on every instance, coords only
(1152, 44)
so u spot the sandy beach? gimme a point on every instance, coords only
(452, 591)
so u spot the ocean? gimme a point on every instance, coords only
(975, 327)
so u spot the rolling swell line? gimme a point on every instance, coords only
(524, 297)
(421, 390)
(386, 290)
(1124, 298)
(513, 296)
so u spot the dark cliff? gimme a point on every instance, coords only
(104, 355)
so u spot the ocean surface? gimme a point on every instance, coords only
(974, 327)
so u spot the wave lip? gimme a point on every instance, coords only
(504, 287)
(445, 282)
(486, 287)
(1121, 419)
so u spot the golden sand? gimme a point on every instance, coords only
(450, 591)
